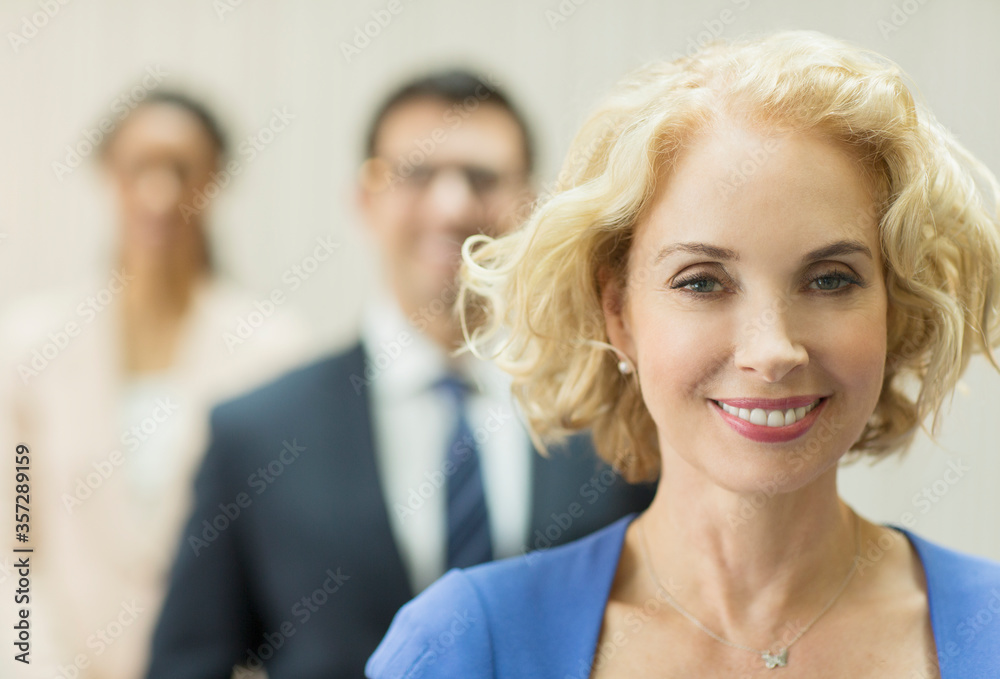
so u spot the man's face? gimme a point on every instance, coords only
(441, 173)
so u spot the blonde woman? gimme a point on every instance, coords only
(753, 254)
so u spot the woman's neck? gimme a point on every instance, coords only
(160, 288)
(746, 565)
(155, 304)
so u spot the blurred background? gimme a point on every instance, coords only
(247, 58)
(321, 68)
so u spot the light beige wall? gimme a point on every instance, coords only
(557, 57)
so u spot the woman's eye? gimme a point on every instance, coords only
(832, 281)
(699, 285)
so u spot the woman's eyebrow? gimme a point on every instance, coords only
(837, 249)
(697, 249)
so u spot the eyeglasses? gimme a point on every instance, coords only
(486, 183)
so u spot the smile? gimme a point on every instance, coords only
(769, 418)
(784, 420)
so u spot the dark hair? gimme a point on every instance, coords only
(453, 86)
(187, 104)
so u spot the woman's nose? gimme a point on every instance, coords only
(768, 343)
(160, 190)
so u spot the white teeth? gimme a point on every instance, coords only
(769, 418)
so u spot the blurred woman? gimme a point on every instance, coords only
(110, 386)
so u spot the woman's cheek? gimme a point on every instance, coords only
(859, 340)
(677, 352)
(853, 353)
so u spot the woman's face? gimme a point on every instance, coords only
(755, 292)
(161, 162)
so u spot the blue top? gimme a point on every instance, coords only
(540, 614)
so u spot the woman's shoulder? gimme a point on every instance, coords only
(963, 593)
(441, 633)
(446, 631)
(955, 570)
(541, 610)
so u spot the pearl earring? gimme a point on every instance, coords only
(624, 368)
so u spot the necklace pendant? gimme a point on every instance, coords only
(772, 661)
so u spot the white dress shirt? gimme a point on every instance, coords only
(413, 422)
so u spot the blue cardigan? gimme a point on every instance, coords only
(540, 614)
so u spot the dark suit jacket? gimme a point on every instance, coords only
(289, 558)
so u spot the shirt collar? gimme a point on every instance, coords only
(402, 361)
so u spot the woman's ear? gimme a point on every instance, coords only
(615, 310)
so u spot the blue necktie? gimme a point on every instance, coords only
(469, 540)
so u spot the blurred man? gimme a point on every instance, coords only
(333, 495)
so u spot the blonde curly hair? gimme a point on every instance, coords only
(533, 297)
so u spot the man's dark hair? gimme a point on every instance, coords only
(455, 86)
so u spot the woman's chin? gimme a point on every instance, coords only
(757, 474)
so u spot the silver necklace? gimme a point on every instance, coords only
(771, 660)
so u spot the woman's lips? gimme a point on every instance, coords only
(761, 432)
(772, 403)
